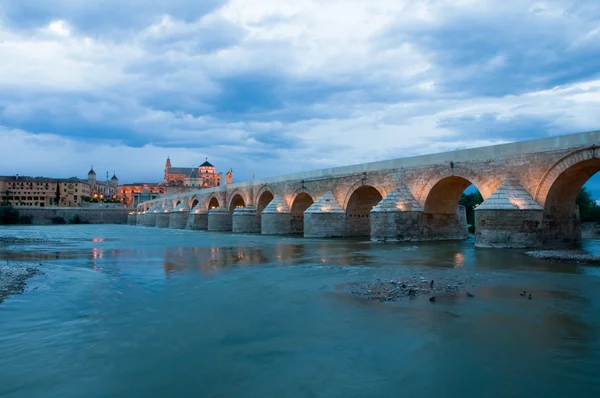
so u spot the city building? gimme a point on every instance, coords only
(42, 192)
(204, 176)
(108, 189)
(133, 194)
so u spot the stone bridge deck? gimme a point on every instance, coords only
(529, 190)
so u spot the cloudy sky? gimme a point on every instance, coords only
(273, 86)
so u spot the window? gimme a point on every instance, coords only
(65, 189)
(75, 188)
(75, 198)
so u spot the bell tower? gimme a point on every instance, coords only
(167, 167)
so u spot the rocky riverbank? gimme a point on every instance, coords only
(14, 240)
(13, 278)
(575, 256)
(432, 285)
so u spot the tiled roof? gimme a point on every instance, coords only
(510, 196)
(180, 170)
(400, 199)
(325, 204)
(277, 205)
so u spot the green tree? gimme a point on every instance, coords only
(588, 209)
(57, 196)
(5, 196)
(470, 201)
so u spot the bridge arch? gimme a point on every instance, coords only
(558, 193)
(263, 198)
(564, 179)
(361, 198)
(237, 200)
(301, 201)
(213, 202)
(365, 182)
(193, 202)
(445, 186)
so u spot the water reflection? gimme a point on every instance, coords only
(275, 329)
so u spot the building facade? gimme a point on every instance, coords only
(133, 194)
(42, 192)
(203, 176)
(108, 189)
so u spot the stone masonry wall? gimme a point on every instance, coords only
(40, 216)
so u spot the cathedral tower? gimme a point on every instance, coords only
(167, 167)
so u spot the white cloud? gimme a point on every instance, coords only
(320, 83)
(59, 28)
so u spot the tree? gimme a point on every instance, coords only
(57, 194)
(588, 209)
(470, 202)
(5, 197)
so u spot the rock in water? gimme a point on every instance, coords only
(432, 299)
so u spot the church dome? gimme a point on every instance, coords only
(114, 177)
(92, 172)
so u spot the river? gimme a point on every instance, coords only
(123, 311)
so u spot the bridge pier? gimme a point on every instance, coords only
(325, 218)
(397, 217)
(219, 220)
(162, 217)
(561, 229)
(444, 226)
(509, 218)
(276, 218)
(149, 219)
(245, 220)
(178, 219)
(131, 218)
(197, 218)
(179, 215)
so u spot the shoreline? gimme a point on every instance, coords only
(567, 256)
(14, 278)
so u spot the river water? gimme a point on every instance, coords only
(124, 311)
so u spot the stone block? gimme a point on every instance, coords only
(219, 220)
(162, 220)
(197, 221)
(178, 219)
(397, 226)
(508, 228)
(276, 223)
(245, 220)
(324, 225)
(150, 220)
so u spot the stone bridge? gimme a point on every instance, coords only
(529, 190)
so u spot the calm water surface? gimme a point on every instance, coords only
(137, 312)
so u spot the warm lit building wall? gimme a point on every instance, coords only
(133, 194)
(42, 192)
